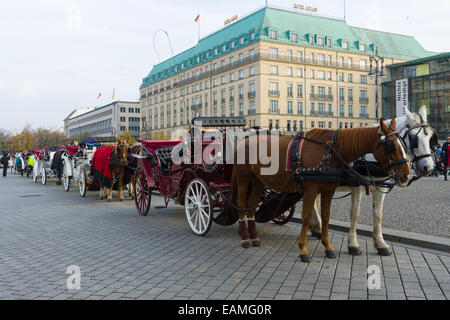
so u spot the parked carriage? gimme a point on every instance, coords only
(76, 165)
(202, 188)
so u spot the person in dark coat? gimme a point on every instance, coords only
(5, 162)
(445, 158)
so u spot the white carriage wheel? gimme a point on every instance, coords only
(43, 176)
(198, 205)
(82, 182)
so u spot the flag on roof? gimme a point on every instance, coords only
(198, 18)
(99, 95)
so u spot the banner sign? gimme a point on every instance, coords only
(401, 97)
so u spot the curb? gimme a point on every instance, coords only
(410, 238)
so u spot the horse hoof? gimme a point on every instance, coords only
(330, 254)
(383, 252)
(354, 251)
(246, 244)
(316, 234)
(121, 199)
(256, 243)
(305, 258)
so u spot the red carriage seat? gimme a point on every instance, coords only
(71, 150)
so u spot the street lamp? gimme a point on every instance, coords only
(377, 73)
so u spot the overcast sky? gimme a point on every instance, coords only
(58, 55)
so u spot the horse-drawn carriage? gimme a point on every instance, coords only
(76, 164)
(203, 187)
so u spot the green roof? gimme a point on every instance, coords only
(422, 60)
(283, 21)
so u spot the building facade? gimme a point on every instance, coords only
(428, 84)
(111, 120)
(280, 69)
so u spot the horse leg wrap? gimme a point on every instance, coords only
(252, 229)
(244, 234)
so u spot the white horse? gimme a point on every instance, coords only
(416, 133)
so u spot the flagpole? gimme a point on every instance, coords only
(199, 30)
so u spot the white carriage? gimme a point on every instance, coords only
(44, 165)
(76, 166)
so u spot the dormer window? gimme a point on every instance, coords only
(232, 44)
(198, 59)
(224, 48)
(207, 55)
(241, 41)
(344, 44)
(320, 41)
(216, 51)
(362, 47)
(273, 35)
(329, 42)
(294, 37)
(311, 39)
(252, 36)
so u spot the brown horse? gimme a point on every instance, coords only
(110, 167)
(350, 143)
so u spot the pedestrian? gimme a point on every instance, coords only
(5, 161)
(437, 160)
(445, 157)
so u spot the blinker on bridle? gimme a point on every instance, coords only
(390, 148)
(414, 138)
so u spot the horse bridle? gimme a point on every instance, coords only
(390, 148)
(414, 138)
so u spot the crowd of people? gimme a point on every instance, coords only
(442, 160)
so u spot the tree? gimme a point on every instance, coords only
(127, 136)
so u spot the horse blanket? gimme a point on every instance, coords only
(100, 165)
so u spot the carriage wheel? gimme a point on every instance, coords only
(66, 182)
(142, 194)
(198, 205)
(43, 176)
(34, 175)
(285, 216)
(82, 182)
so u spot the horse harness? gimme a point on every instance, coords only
(346, 176)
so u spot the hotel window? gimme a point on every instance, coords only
(252, 54)
(216, 51)
(299, 90)
(350, 111)
(295, 125)
(231, 77)
(341, 110)
(273, 88)
(214, 82)
(224, 48)
(320, 41)
(277, 124)
(299, 72)
(350, 94)
(252, 36)
(299, 56)
(330, 75)
(364, 79)
(241, 74)
(341, 77)
(223, 79)
(241, 41)
(300, 108)
(322, 124)
(312, 124)
(330, 110)
(363, 111)
(312, 74)
(341, 61)
(294, 37)
(362, 64)
(341, 94)
(344, 44)
(329, 42)
(130, 110)
(241, 58)
(241, 92)
(273, 35)
(289, 71)
(273, 70)
(241, 109)
(273, 106)
(252, 106)
(289, 107)
(321, 92)
(290, 90)
(231, 61)
(321, 75)
(251, 88)
(232, 44)
(350, 77)
(252, 71)
(198, 59)
(321, 109)
(311, 57)
(232, 110)
(311, 39)
(270, 124)
(273, 53)
(289, 55)
(288, 126)
(321, 59)
(330, 60)
(349, 62)
(313, 107)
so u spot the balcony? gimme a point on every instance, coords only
(252, 94)
(364, 115)
(321, 97)
(329, 114)
(364, 100)
(251, 111)
(274, 93)
(313, 113)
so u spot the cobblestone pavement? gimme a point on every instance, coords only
(421, 208)
(122, 255)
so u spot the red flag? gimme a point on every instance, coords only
(198, 18)
(99, 95)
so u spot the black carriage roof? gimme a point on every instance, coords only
(220, 121)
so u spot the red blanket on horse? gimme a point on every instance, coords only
(100, 165)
